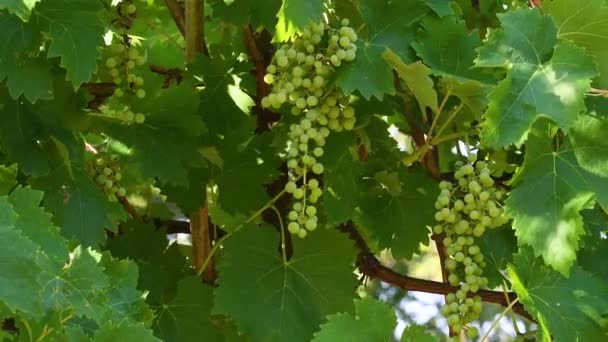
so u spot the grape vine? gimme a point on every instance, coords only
(300, 75)
(466, 208)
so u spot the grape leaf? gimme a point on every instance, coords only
(448, 48)
(568, 309)
(341, 178)
(374, 321)
(595, 246)
(275, 300)
(243, 12)
(21, 8)
(417, 333)
(400, 221)
(124, 331)
(80, 208)
(541, 81)
(187, 316)
(392, 25)
(588, 138)
(551, 190)
(498, 247)
(37, 224)
(25, 70)
(416, 76)
(18, 285)
(19, 132)
(294, 15)
(8, 178)
(584, 22)
(75, 30)
(440, 7)
(123, 298)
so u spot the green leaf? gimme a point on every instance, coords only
(37, 224)
(81, 209)
(76, 31)
(187, 317)
(76, 285)
(276, 300)
(541, 80)
(18, 285)
(294, 15)
(416, 76)
(8, 178)
(417, 333)
(21, 8)
(595, 246)
(19, 133)
(590, 146)
(440, 7)
(566, 309)
(390, 25)
(400, 221)
(124, 331)
(374, 321)
(498, 247)
(550, 192)
(341, 178)
(26, 71)
(243, 12)
(448, 48)
(123, 299)
(585, 22)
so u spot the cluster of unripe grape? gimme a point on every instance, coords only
(299, 77)
(104, 169)
(466, 209)
(122, 59)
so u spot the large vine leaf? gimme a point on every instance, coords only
(374, 321)
(584, 22)
(20, 131)
(124, 331)
(276, 300)
(8, 178)
(26, 71)
(187, 317)
(294, 15)
(341, 178)
(541, 80)
(18, 286)
(75, 30)
(80, 208)
(21, 8)
(448, 48)
(552, 189)
(566, 309)
(389, 24)
(416, 77)
(590, 146)
(398, 211)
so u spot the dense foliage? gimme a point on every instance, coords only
(313, 145)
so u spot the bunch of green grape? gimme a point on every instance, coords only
(121, 61)
(104, 169)
(466, 209)
(299, 76)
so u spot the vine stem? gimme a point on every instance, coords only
(439, 111)
(450, 118)
(219, 242)
(495, 323)
(282, 227)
